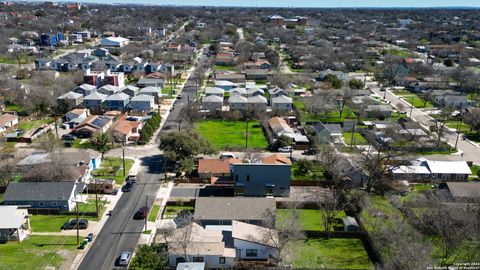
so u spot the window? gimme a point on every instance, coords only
(221, 260)
(180, 260)
(54, 204)
(41, 204)
(240, 191)
(236, 178)
(252, 252)
(248, 177)
(197, 259)
(269, 191)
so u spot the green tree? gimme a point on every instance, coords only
(101, 142)
(151, 257)
(283, 141)
(185, 144)
(355, 84)
(334, 80)
(304, 166)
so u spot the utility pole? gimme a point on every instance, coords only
(246, 133)
(146, 215)
(96, 195)
(78, 227)
(353, 135)
(123, 157)
(458, 133)
(411, 110)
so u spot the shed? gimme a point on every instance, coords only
(350, 224)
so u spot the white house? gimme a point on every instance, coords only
(254, 242)
(423, 170)
(214, 91)
(142, 103)
(114, 42)
(7, 121)
(14, 223)
(212, 103)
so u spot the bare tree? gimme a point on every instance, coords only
(330, 206)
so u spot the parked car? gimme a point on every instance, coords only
(310, 151)
(124, 258)
(115, 191)
(132, 178)
(226, 155)
(68, 137)
(286, 149)
(141, 213)
(179, 96)
(68, 144)
(72, 224)
(127, 187)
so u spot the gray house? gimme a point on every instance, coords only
(130, 90)
(52, 195)
(70, 100)
(155, 92)
(282, 103)
(146, 82)
(117, 102)
(259, 179)
(379, 111)
(108, 89)
(212, 103)
(327, 133)
(142, 103)
(223, 210)
(85, 89)
(237, 102)
(258, 103)
(214, 91)
(94, 101)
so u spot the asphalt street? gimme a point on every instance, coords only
(121, 232)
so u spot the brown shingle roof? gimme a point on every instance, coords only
(124, 127)
(276, 159)
(5, 118)
(216, 165)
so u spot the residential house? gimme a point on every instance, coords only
(94, 101)
(85, 34)
(212, 103)
(253, 242)
(237, 102)
(238, 91)
(151, 82)
(130, 90)
(95, 78)
(327, 133)
(282, 103)
(339, 74)
(225, 85)
(152, 67)
(76, 113)
(214, 91)
(114, 42)
(142, 103)
(208, 168)
(256, 74)
(261, 179)
(276, 92)
(224, 210)
(232, 77)
(108, 89)
(7, 121)
(101, 52)
(44, 195)
(379, 111)
(114, 78)
(449, 98)
(251, 92)
(14, 223)
(280, 127)
(424, 170)
(125, 131)
(172, 47)
(70, 100)
(257, 103)
(206, 246)
(462, 191)
(85, 89)
(43, 63)
(155, 92)
(96, 123)
(225, 59)
(118, 101)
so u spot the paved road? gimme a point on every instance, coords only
(121, 232)
(470, 151)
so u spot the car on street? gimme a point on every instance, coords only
(68, 144)
(68, 137)
(226, 155)
(179, 96)
(115, 191)
(141, 213)
(132, 178)
(310, 152)
(127, 187)
(90, 237)
(124, 258)
(73, 224)
(286, 149)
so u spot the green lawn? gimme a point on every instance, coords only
(328, 117)
(311, 219)
(333, 253)
(48, 223)
(224, 68)
(32, 124)
(154, 213)
(168, 90)
(14, 60)
(111, 168)
(171, 211)
(91, 207)
(316, 174)
(417, 102)
(399, 53)
(35, 252)
(231, 134)
(13, 107)
(380, 211)
(358, 139)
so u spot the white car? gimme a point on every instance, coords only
(124, 258)
(226, 155)
(286, 149)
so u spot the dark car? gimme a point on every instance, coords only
(90, 237)
(68, 144)
(127, 187)
(72, 224)
(142, 213)
(115, 191)
(310, 152)
(68, 137)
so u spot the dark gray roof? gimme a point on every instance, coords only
(228, 208)
(464, 189)
(331, 128)
(40, 191)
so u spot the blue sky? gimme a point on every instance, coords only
(304, 3)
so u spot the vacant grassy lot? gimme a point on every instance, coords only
(333, 253)
(380, 211)
(112, 168)
(399, 53)
(358, 139)
(231, 134)
(310, 219)
(32, 124)
(171, 211)
(36, 252)
(316, 174)
(48, 223)
(224, 68)
(90, 206)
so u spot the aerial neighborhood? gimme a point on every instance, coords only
(198, 137)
